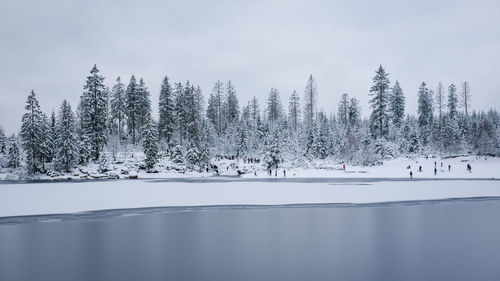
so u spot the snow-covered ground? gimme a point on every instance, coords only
(396, 168)
(71, 197)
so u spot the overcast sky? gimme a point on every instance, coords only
(50, 46)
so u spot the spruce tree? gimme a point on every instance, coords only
(166, 123)
(294, 110)
(3, 142)
(132, 105)
(150, 142)
(397, 105)
(353, 113)
(274, 107)
(118, 108)
(343, 109)
(66, 155)
(425, 113)
(310, 96)
(32, 134)
(215, 107)
(379, 118)
(14, 154)
(94, 103)
(177, 156)
(230, 106)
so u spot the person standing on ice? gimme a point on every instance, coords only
(343, 166)
(469, 168)
(449, 167)
(420, 168)
(435, 171)
(411, 174)
(284, 173)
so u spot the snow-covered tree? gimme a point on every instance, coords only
(118, 106)
(150, 142)
(132, 105)
(425, 113)
(465, 97)
(177, 156)
(192, 155)
(397, 105)
(166, 123)
(310, 96)
(452, 102)
(143, 105)
(230, 106)
(94, 108)
(66, 142)
(273, 151)
(215, 107)
(241, 140)
(294, 110)
(3, 142)
(353, 113)
(379, 118)
(14, 155)
(343, 109)
(32, 134)
(274, 108)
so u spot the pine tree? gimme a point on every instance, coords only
(143, 105)
(66, 155)
(274, 107)
(118, 106)
(94, 104)
(32, 134)
(204, 156)
(14, 154)
(177, 156)
(310, 95)
(397, 105)
(241, 141)
(150, 142)
(47, 144)
(452, 102)
(230, 106)
(273, 151)
(379, 118)
(132, 105)
(321, 145)
(215, 107)
(425, 113)
(353, 113)
(465, 97)
(166, 123)
(192, 155)
(343, 109)
(3, 142)
(294, 110)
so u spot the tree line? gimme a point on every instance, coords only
(190, 132)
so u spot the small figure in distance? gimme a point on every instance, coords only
(420, 168)
(284, 173)
(411, 174)
(449, 167)
(435, 171)
(409, 167)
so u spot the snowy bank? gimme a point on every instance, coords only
(71, 197)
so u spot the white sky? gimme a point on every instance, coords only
(50, 46)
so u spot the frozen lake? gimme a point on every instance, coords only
(427, 240)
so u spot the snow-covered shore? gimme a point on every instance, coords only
(482, 167)
(71, 197)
